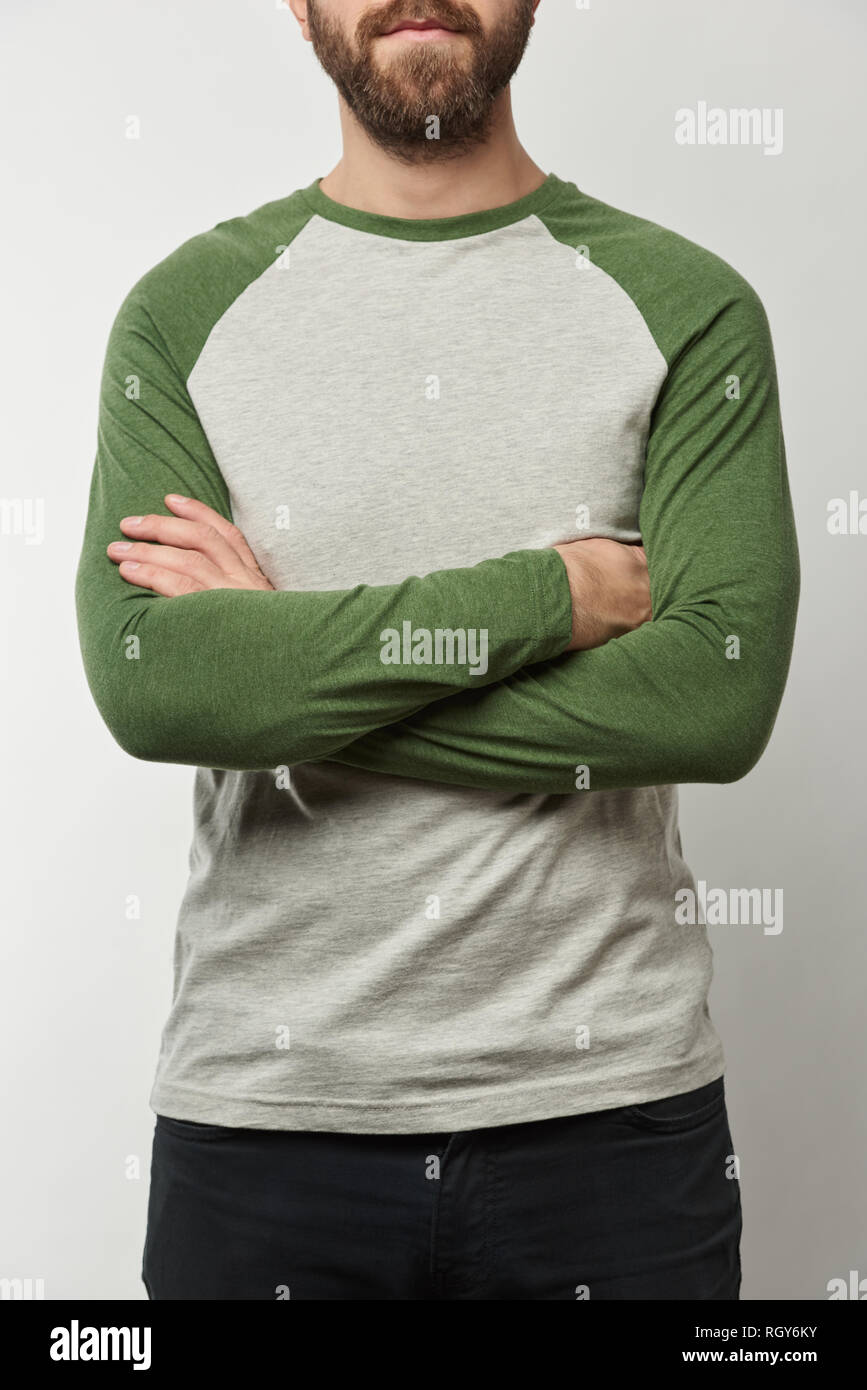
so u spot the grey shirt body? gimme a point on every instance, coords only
(370, 953)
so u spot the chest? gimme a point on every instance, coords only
(380, 409)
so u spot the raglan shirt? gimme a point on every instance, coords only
(432, 889)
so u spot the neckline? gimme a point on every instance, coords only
(433, 228)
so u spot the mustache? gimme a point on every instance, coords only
(451, 14)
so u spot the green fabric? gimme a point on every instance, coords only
(665, 703)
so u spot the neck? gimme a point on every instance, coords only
(496, 172)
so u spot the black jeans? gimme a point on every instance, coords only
(639, 1202)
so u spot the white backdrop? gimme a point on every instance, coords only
(234, 112)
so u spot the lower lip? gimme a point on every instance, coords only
(421, 35)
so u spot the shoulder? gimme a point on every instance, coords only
(679, 287)
(176, 303)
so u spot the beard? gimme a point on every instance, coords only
(456, 82)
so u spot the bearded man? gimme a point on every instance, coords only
(436, 1031)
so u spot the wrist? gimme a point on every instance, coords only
(573, 567)
(558, 599)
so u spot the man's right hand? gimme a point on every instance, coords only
(610, 586)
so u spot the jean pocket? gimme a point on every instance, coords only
(677, 1114)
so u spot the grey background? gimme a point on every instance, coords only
(234, 112)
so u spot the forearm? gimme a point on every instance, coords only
(252, 680)
(661, 705)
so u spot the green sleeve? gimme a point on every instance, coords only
(252, 680)
(691, 696)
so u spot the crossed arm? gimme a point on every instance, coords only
(693, 695)
(242, 676)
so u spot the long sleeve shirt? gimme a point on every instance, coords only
(430, 843)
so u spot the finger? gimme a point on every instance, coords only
(185, 535)
(162, 581)
(187, 562)
(200, 511)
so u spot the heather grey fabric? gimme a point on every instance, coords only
(367, 953)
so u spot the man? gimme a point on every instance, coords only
(404, 464)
